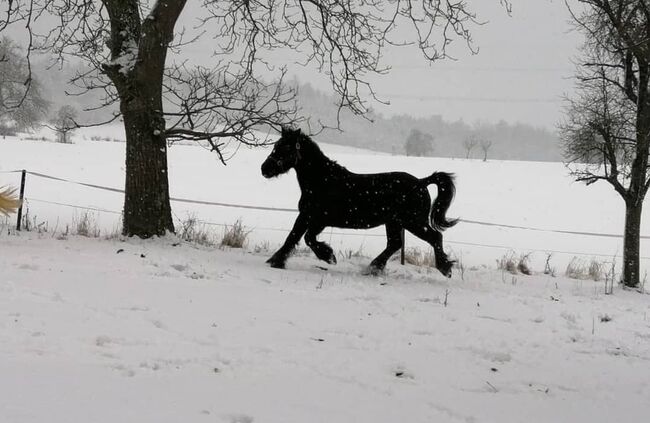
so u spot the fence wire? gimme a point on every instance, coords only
(292, 210)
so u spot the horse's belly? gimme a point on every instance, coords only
(354, 220)
(357, 224)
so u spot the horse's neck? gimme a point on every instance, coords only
(315, 172)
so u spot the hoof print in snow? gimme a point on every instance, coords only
(102, 341)
(28, 267)
(150, 366)
(125, 371)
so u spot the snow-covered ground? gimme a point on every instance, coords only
(160, 331)
(96, 330)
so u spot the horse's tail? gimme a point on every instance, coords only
(8, 201)
(446, 192)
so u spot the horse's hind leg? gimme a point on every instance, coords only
(322, 250)
(394, 243)
(433, 237)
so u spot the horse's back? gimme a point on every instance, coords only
(369, 200)
(387, 182)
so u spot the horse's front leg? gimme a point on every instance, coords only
(322, 250)
(279, 259)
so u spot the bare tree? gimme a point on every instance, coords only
(64, 122)
(485, 145)
(127, 43)
(606, 132)
(469, 143)
(22, 105)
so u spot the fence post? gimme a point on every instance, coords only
(22, 196)
(403, 246)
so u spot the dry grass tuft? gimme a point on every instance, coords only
(193, 231)
(235, 236)
(508, 263)
(86, 225)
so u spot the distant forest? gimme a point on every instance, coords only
(508, 141)
(379, 133)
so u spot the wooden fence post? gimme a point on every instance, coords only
(22, 196)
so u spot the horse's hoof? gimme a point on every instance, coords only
(275, 263)
(326, 255)
(445, 268)
(446, 271)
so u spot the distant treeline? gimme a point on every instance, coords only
(509, 141)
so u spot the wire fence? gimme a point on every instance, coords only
(293, 210)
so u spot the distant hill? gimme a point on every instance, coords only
(509, 142)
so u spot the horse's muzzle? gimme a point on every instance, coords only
(268, 170)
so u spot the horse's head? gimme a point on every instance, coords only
(285, 154)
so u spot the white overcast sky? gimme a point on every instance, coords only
(523, 68)
(521, 73)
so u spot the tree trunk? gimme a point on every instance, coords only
(138, 54)
(638, 176)
(147, 211)
(631, 243)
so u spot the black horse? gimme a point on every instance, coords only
(331, 195)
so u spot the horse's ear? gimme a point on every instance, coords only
(288, 131)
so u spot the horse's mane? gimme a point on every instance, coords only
(314, 149)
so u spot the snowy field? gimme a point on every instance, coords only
(96, 330)
(110, 331)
